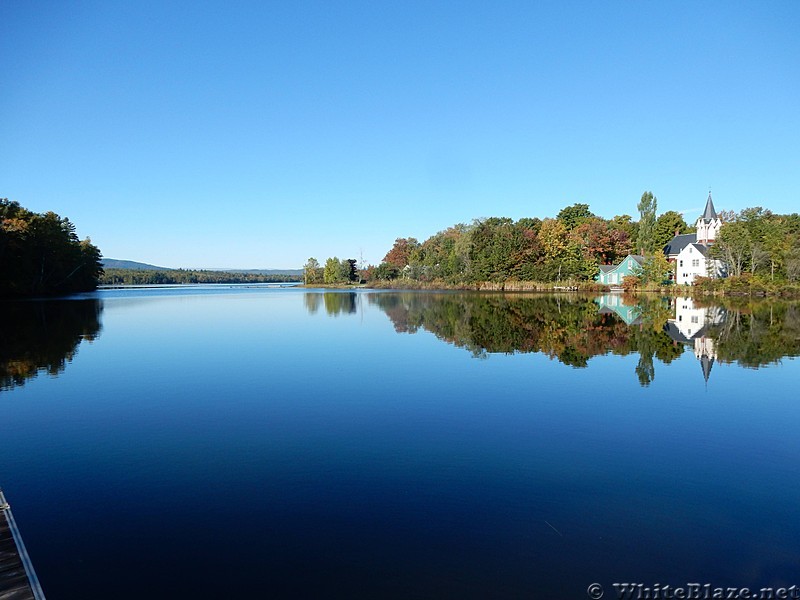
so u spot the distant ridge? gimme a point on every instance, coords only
(131, 265)
(113, 263)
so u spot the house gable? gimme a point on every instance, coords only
(694, 261)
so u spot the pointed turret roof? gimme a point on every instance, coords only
(706, 362)
(709, 214)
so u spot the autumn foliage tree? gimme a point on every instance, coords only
(312, 272)
(400, 254)
(601, 242)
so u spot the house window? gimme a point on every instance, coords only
(696, 262)
(680, 264)
(694, 320)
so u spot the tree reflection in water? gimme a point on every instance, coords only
(43, 337)
(572, 328)
(336, 303)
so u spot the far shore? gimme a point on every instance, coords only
(755, 289)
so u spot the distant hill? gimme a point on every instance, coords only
(113, 263)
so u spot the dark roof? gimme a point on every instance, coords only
(638, 258)
(709, 214)
(607, 268)
(678, 243)
(673, 332)
(701, 248)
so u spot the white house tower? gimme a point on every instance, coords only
(708, 224)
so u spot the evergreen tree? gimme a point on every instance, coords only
(41, 255)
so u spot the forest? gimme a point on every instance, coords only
(40, 254)
(182, 276)
(754, 244)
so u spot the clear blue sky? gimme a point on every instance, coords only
(237, 134)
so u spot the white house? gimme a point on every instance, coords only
(694, 261)
(689, 251)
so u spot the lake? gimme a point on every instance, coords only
(233, 442)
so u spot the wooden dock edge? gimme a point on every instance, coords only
(22, 553)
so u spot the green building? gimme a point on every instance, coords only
(614, 274)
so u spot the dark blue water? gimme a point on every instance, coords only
(236, 443)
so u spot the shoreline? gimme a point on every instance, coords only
(744, 289)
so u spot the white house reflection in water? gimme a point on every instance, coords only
(691, 327)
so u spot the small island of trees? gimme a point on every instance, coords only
(40, 254)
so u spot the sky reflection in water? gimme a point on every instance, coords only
(221, 443)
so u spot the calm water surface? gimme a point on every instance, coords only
(234, 442)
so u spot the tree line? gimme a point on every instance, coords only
(40, 254)
(761, 243)
(567, 247)
(574, 244)
(184, 276)
(335, 271)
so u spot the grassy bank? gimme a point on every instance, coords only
(732, 286)
(488, 286)
(746, 285)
